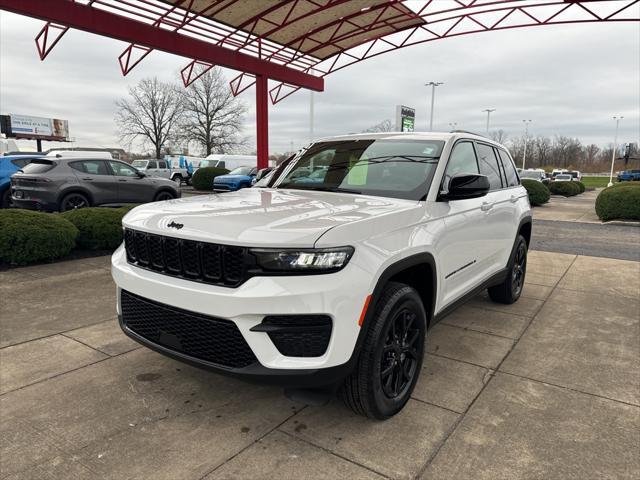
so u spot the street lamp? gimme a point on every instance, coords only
(526, 139)
(615, 147)
(489, 110)
(453, 125)
(433, 96)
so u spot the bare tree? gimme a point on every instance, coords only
(151, 112)
(499, 136)
(213, 116)
(542, 148)
(383, 126)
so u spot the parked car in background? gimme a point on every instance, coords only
(241, 177)
(262, 173)
(629, 176)
(230, 162)
(60, 184)
(9, 165)
(564, 177)
(577, 175)
(161, 168)
(532, 174)
(270, 178)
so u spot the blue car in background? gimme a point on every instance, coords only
(9, 165)
(629, 176)
(241, 177)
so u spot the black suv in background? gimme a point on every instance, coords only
(60, 184)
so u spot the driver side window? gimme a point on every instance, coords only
(462, 160)
(123, 170)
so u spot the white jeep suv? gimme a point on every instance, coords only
(331, 276)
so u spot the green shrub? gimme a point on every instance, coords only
(100, 228)
(581, 186)
(622, 201)
(538, 192)
(203, 178)
(27, 237)
(568, 189)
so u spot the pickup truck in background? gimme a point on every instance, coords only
(629, 176)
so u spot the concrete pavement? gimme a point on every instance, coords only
(546, 388)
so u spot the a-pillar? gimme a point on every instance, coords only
(262, 121)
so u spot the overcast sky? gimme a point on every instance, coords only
(569, 80)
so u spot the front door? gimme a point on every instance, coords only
(132, 188)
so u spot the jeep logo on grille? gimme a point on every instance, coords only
(175, 225)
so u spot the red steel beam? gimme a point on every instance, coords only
(100, 22)
(262, 121)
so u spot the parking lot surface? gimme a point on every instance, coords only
(546, 388)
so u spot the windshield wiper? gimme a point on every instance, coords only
(320, 188)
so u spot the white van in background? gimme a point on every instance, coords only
(230, 162)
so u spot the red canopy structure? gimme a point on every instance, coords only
(293, 43)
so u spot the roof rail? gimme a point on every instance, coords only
(469, 132)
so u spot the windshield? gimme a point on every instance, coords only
(241, 171)
(208, 163)
(140, 163)
(563, 177)
(384, 167)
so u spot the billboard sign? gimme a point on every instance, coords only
(405, 118)
(26, 126)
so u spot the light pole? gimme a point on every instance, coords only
(433, 97)
(453, 125)
(615, 147)
(489, 110)
(526, 140)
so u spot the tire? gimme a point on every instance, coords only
(5, 199)
(178, 180)
(74, 201)
(380, 385)
(510, 289)
(164, 195)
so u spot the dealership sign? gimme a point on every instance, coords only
(25, 126)
(405, 118)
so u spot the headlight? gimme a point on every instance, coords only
(303, 260)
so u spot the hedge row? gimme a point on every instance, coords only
(203, 178)
(538, 192)
(619, 202)
(568, 189)
(27, 236)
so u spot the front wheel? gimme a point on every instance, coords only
(510, 289)
(164, 195)
(391, 357)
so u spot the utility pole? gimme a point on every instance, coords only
(489, 110)
(526, 139)
(433, 86)
(615, 147)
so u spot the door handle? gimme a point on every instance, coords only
(88, 179)
(513, 199)
(486, 206)
(122, 179)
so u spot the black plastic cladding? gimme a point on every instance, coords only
(223, 265)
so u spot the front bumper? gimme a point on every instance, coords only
(338, 295)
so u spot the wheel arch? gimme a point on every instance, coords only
(165, 189)
(524, 229)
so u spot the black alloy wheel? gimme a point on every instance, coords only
(518, 269)
(74, 201)
(162, 196)
(511, 287)
(400, 356)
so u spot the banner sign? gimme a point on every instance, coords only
(25, 126)
(405, 118)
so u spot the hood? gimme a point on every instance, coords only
(260, 217)
(231, 178)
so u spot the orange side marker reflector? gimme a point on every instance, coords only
(364, 310)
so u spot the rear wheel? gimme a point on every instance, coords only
(510, 289)
(164, 195)
(73, 201)
(178, 180)
(391, 357)
(5, 199)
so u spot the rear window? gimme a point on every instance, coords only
(39, 166)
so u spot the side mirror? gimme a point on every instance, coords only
(467, 185)
(141, 174)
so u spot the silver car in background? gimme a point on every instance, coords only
(61, 184)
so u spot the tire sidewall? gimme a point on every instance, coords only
(64, 200)
(519, 241)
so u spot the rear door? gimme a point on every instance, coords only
(497, 206)
(96, 177)
(131, 187)
(465, 240)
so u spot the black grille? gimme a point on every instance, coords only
(214, 340)
(204, 262)
(298, 335)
